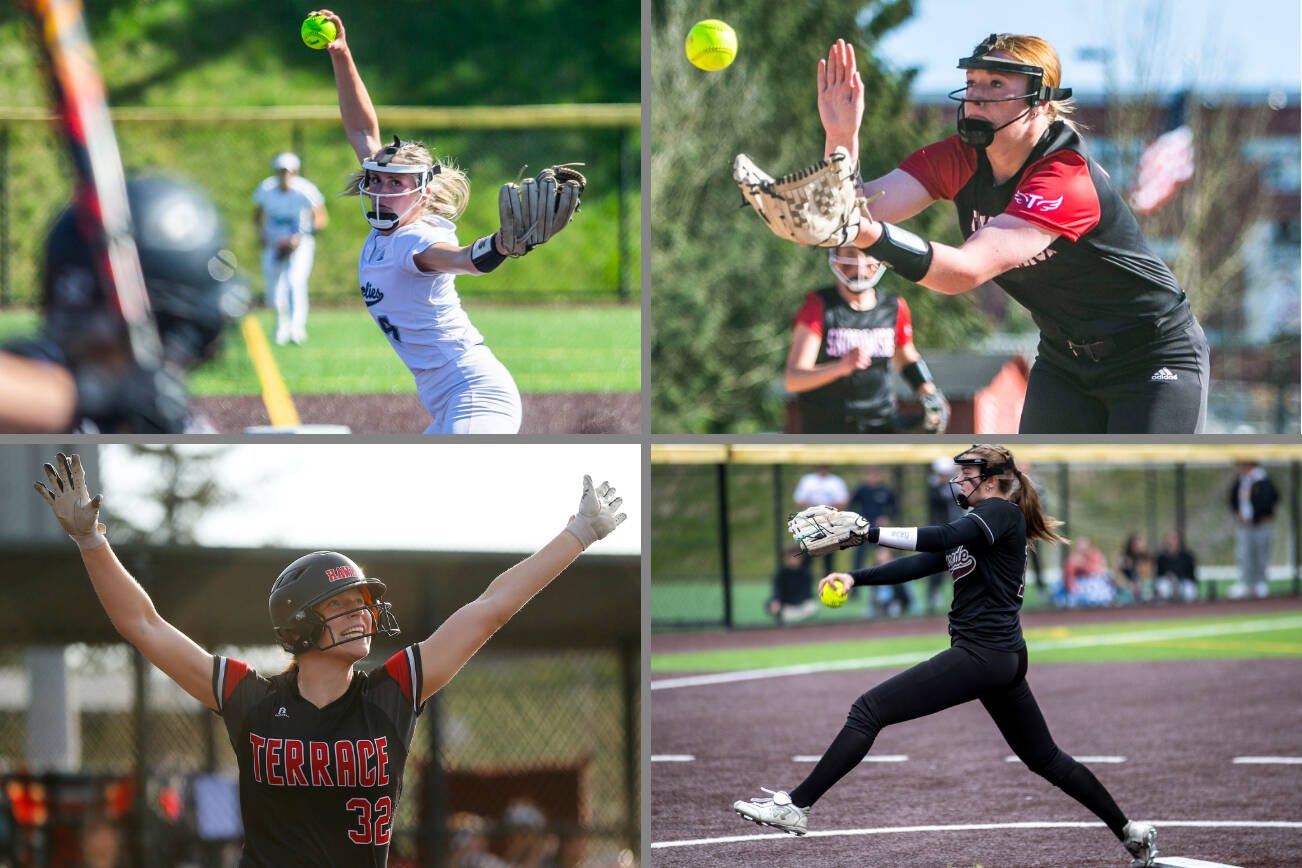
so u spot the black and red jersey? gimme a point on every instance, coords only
(1099, 277)
(865, 396)
(319, 786)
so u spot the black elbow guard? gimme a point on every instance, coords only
(909, 254)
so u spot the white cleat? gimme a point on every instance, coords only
(1141, 842)
(777, 812)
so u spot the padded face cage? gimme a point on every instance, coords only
(985, 470)
(1037, 93)
(313, 579)
(376, 214)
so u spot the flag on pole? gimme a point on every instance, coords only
(1163, 168)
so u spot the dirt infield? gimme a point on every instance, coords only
(559, 413)
(1178, 725)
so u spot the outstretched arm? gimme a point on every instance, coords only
(128, 606)
(360, 122)
(893, 573)
(453, 644)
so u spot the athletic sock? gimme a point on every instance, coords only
(846, 751)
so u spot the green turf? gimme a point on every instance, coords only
(1118, 644)
(560, 348)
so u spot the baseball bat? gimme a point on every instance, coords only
(100, 202)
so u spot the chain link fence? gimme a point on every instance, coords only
(229, 153)
(527, 756)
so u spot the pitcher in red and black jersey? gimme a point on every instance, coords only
(1120, 350)
(846, 342)
(321, 746)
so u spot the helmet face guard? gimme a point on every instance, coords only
(853, 284)
(980, 133)
(985, 470)
(313, 579)
(373, 203)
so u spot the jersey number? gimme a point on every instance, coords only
(373, 824)
(388, 328)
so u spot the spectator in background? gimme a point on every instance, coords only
(288, 210)
(1136, 567)
(897, 600)
(1177, 570)
(942, 508)
(1252, 499)
(468, 847)
(875, 501)
(822, 488)
(793, 584)
(1086, 580)
(101, 844)
(527, 843)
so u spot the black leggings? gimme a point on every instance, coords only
(954, 676)
(1160, 390)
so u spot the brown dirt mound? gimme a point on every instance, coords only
(561, 413)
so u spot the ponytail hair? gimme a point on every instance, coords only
(1017, 487)
(1039, 524)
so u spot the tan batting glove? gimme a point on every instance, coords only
(73, 506)
(598, 513)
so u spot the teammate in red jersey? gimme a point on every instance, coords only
(846, 341)
(322, 746)
(1120, 350)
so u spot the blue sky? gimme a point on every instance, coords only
(1208, 43)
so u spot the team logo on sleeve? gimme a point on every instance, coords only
(960, 562)
(1033, 202)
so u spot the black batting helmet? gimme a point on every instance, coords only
(312, 579)
(189, 274)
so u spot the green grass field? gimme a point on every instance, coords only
(547, 348)
(1239, 637)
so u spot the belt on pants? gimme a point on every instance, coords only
(1100, 348)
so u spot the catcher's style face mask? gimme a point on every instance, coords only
(980, 133)
(374, 202)
(840, 265)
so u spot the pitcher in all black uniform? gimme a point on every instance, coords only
(846, 341)
(985, 553)
(1120, 350)
(321, 746)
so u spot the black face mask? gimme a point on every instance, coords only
(956, 490)
(979, 132)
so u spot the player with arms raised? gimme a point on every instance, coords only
(321, 747)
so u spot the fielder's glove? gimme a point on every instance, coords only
(935, 412)
(816, 207)
(598, 513)
(821, 530)
(73, 506)
(535, 209)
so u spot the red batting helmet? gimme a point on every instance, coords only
(312, 579)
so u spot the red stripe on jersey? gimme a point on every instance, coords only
(1058, 194)
(235, 672)
(810, 314)
(903, 324)
(400, 671)
(942, 168)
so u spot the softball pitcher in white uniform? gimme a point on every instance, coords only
(411, 256)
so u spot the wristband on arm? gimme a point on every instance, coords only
(907, 253)
(916, 373)
(484, 255)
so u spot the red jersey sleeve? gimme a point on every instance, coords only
(1058, 194)
(811, 314)
(943, 168)
(903, 324)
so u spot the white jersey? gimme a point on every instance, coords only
(286, 212)
(419, 312)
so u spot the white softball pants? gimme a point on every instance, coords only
(474, 394)
(286, 281)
